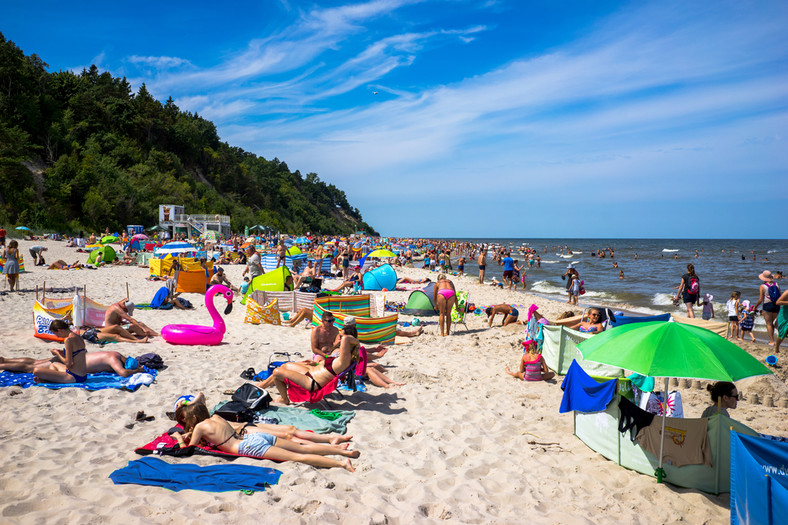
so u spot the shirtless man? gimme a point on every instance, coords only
(309, 272)
(325, 337)
(95, 362)
(220, 278)
(121, 311)
(482, 260)
(281, 253)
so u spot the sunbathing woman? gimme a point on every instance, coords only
(445, 297)
(408, 280)
(532, 365)
(201, 426)
(313, 376)
(94, 362)
(71, 367)
(288, 432)
(60, 264)
(590, 325)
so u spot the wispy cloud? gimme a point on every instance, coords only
(159, 62)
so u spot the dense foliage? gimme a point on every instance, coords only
(84, 152)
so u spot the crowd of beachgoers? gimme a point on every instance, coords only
(435, 440)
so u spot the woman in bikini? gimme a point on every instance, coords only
(200, 426)
(313, 376)
(72, 367)
(445, 297)
(591, 325)
(510, 314)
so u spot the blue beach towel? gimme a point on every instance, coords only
(215, 478)
(583, 394)
(100, 381)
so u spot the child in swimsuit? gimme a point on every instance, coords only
(532, 365)
(72, 367)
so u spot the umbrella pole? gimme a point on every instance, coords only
(660, 472)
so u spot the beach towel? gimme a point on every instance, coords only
(100, 381)
(215, 478)
(583, 394)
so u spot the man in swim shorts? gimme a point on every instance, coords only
(482, 263)
(508, 270)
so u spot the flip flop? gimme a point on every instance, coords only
(142, 417)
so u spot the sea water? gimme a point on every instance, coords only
(650, 281)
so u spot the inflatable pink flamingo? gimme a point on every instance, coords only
(189, 334)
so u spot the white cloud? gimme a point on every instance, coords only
(161, 62)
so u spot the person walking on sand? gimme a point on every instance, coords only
(689, 290)
(444, 297)
(253, 266)
(768, 292)
(482, 261)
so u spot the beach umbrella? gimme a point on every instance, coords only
(381, 253)
(24, 228)
(302, 240)
(669, 349)
(175, 247)
(209, 235)
(140, 237)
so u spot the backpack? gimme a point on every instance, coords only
(252, 397)
(774, 292)
(694, 285)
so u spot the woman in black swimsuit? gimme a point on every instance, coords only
(313, 376)
(72, 368)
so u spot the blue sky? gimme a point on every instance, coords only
(457, 118)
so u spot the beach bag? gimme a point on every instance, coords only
(151, 360)
(253, 397)
(774, 292)
(236, 411)
(694, 285)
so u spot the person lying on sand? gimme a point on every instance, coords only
(200, 426)
(95, 362)
(70, 366)
(60, 264)
(288, 432)
(408, 280)
(122, 311)
(110, 334)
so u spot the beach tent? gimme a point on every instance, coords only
(273, 281)
(420, 302)
(560, 348)
(107, 255)
(382, 277)
(108, 239)
(759, 480)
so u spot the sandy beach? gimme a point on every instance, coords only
(461, 442)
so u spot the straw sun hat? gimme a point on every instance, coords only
(766, 276)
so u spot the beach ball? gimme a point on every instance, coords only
(415, 322)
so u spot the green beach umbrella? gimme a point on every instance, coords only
(661, 349)
(381, 253)
(669, 349)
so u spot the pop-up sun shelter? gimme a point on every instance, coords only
(420, 302)
(273, 281)
(381, 278)
(107, 255)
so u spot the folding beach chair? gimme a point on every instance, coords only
(459, 310)
(350, 375)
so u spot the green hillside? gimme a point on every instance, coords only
(85, 152)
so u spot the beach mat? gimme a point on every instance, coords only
(303, 419)
(214, 478)
(100, 381)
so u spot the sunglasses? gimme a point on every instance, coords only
(736, 397)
